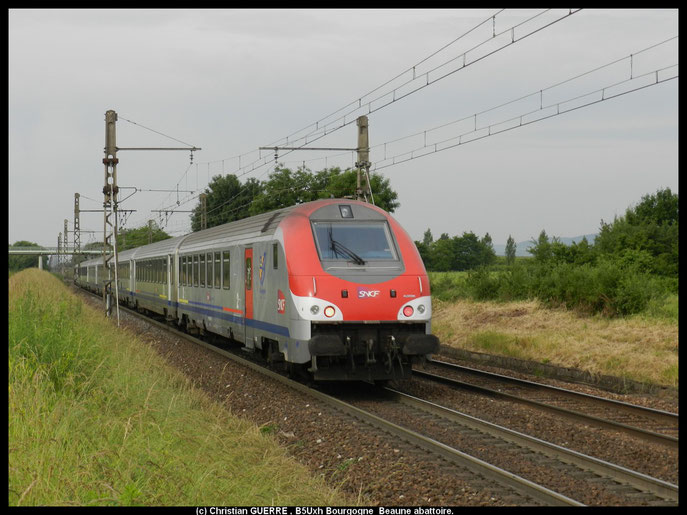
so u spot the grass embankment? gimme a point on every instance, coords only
(640, 348)
(97, 418)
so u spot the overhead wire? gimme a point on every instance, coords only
(243, 170)
(538, 92)
(521, 118)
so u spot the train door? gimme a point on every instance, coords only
(248, 297)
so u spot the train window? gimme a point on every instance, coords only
(202, 270)
(218, 270)
(361, 241)
(195, 270)
(210, 265)
(189, 270)
(164, 271)
(182, 271)
(275, 255)
(249, 273)
(226, 270)
(345, 211)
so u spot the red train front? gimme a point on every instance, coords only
(360, 306)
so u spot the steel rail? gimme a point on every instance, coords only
(644, 434)
(501, 476)
(643, 482)
(634, 409)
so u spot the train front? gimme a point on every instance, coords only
(360, 293)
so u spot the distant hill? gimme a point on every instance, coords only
(522, 246)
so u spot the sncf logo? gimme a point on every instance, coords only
(281, 302)
(367, 294)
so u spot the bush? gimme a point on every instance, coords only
(515, 283)
(448, 286)
(482, 284)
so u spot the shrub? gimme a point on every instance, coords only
(482, 284)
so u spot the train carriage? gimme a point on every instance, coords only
(333, 288)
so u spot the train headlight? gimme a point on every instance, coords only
(315, 309)
(329, 311)
(408, 311)
(421, 309)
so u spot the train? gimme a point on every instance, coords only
(332, 290)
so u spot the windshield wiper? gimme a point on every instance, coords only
(338, 247)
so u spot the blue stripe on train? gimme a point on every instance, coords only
(250, 322)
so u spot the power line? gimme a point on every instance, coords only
(156, 132)
(367, 107)
(538, 95)
(521, 121)
(318, 132)
(358, 106)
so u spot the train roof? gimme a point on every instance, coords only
(254, 228)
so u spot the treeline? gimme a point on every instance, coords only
(458, 253)
(228, 199)
(631, 267)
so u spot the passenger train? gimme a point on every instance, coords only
(335, 289)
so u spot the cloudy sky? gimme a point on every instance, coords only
(445, 83)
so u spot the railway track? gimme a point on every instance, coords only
(527, 454)
(638, 421)
(514, 488)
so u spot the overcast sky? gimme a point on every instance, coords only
(230, 81)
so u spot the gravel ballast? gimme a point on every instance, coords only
(371, 468)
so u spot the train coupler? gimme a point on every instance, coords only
(369, 353)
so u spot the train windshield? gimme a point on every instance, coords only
(354, 241)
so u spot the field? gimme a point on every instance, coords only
(639, 347)
(97, 418)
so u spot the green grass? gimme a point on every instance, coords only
(97, 418)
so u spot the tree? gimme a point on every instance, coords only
(650, 227)
(510, 250)
(427, 238)
(488, 256)
(468, 251)
(333, 182)
(541, 250)
(227, 200)
(132, 238)
(443, 255)
(283, 189)
(18, 262)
